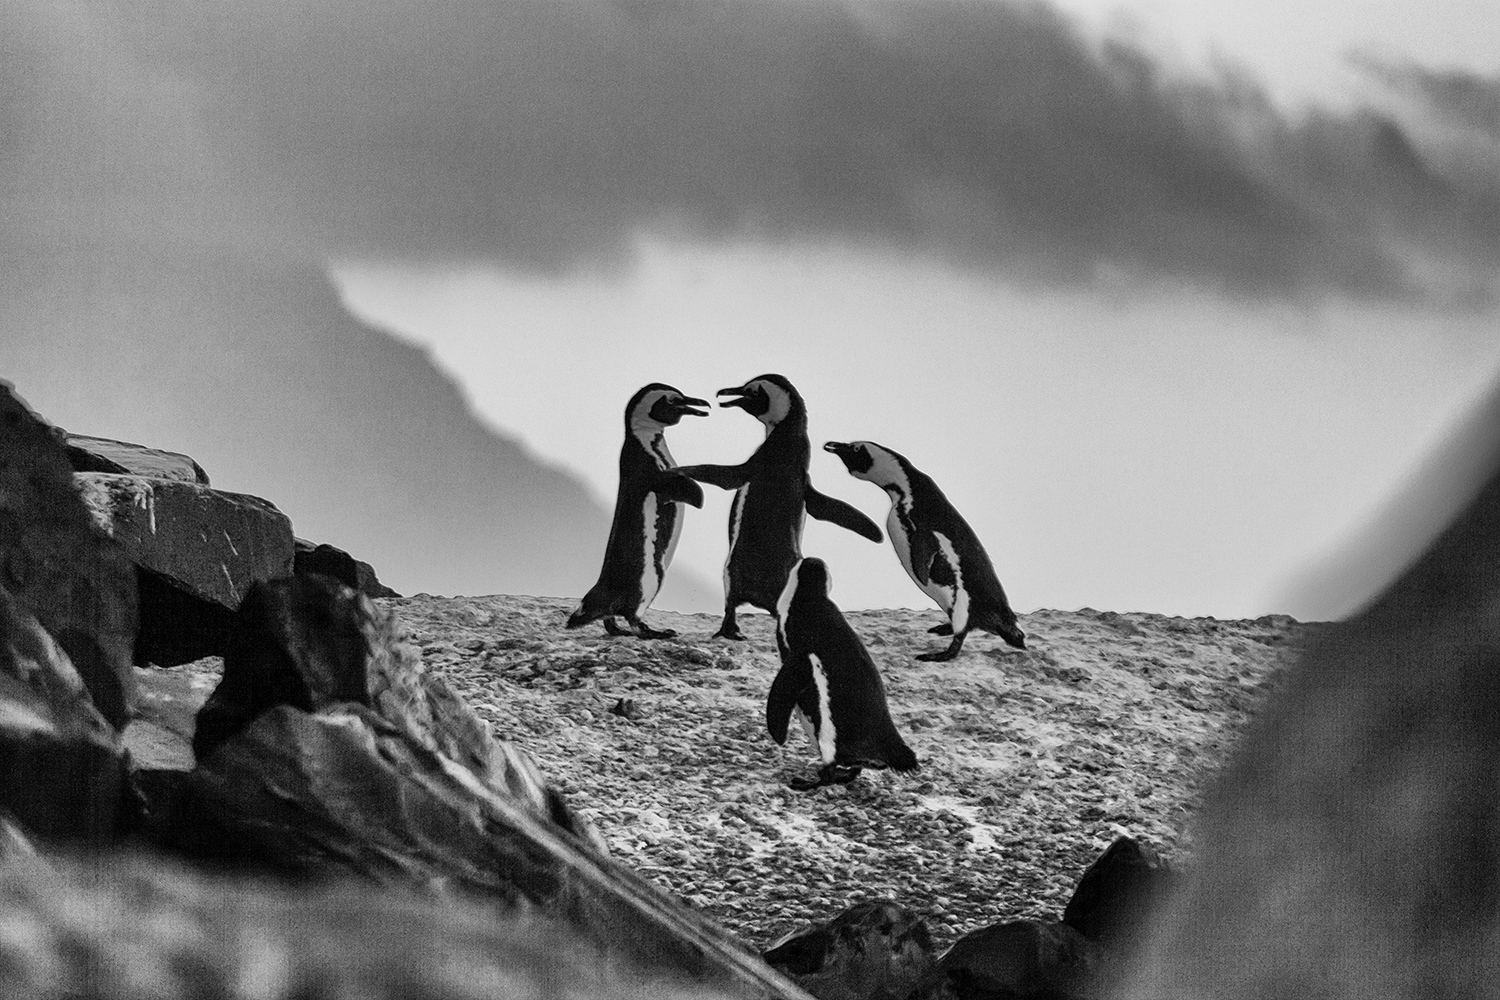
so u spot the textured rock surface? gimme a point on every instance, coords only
(143, 929)
(333, 561)
(875, 950)
(1351, 848)
(94, 454)
(58, 565)
(1033, 763)
(62, 766)
(1021, 959)
(211, 544)
(1119, 895)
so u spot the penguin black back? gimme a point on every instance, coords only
(936, 546)
(827, 675)
(773, 496)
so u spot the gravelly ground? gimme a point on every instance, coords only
(1032, 762)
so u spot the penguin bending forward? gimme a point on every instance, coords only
(828, 678)
(938, 549)
(648, 515)
(772, 499)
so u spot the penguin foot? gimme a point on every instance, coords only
(830, 774)
(613, 627)
(946, 628)
(942, 656)
(647, 632)
(730, 632)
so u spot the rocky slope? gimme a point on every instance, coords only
(1031, 762)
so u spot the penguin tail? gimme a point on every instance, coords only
(583, 614)
(902, 759)
(1004, 625)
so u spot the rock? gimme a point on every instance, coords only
(1020, 959)
(62, 766)
(1118, 895)
(208, 543)
(348, 792)
(875, 950)
(142, 927)
(1351, 847)
(335, 562)
(57, 565)
(93, 454)
(299, 641)
(313, 643)
(627, 708)
(161, 733)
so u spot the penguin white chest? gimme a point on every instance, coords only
(650, 574)
(827, 733)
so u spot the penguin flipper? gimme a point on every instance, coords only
(725, 477)
(789, 682)
(924, 550)
(835, 511)
(673, 485)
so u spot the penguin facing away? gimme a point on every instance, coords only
(936, 546)
(829, 681)
(772, 499)
(648, 515)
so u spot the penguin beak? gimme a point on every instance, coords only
(844, 451)
(688, 407)
(739, 391)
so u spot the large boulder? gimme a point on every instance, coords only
(1119, 894)
(1020, 960)
(347, 792)
(94, 454)
(1351, 847)
(57, 565)
(62, 765)
(198, 551)
(875, 950)
(141, 927)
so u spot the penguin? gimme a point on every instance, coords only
(938, 549)
(772, 499)
(648, 515)
(829, 680)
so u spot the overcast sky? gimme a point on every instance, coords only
(1168, 297)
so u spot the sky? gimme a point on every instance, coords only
(1172, 299)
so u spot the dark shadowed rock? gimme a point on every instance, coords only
(143, 927)
(1118, 894)
(93, 454)
(1351, 848)
(335, 562)
(875, 950)
(58, 565)
(62, 766)
(348, 792)
(211, 544)
(1020, 959)
(298, 641)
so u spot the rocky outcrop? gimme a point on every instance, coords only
(330, 560)
(62, 766)
(875, 950)
(57, 565)
(95, 454)
(1351, 848)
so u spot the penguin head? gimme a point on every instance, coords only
(813, 576)
(869, 461)
(768, 398)
(659, 405)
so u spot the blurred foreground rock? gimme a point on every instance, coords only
(57, 565)
(1351, 849)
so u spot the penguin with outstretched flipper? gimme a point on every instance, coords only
(772, 499)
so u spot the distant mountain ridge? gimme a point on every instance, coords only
(255, 369)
